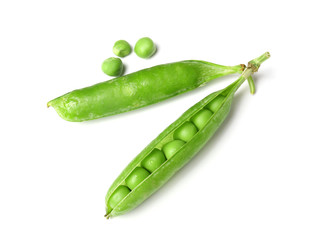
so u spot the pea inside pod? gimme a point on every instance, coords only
(172, 147)
(201, 118)
(120, 193)
(153, 160)
(177, 152)
(136, 177)
(185, 132)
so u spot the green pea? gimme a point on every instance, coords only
(118, 195)
(172, 147)
(185, 132)
(215, 103)
(136, 177)
(112, 66)
(145, 47)
(121, 48)
(201, 118)
(153, 160)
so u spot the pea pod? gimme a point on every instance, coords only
(121, 198)
(138, 89)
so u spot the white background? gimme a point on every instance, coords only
(251, 181)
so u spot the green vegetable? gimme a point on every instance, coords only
(185, 132)
(201, 118)
(177, 152)
(145, 47)
(136, 177)
(153, 160)
(121, 48)
(214, 105)
(118, 195)
(172, 147)
(112, 66)
(138, 89)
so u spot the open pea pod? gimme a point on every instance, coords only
(173, 148)
(138, 89)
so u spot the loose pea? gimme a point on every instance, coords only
(118, 195)
(185, 132)
(145, 47)
(201, 118)
(172, 147)
(121, 48)
(153, 160)
(136, 177)
(112, 66)
(214, 105)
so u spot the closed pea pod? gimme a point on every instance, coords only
(182, 151)
(138, 89)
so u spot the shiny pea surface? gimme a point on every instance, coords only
(145, 47)
(201, 118)
(112, 66)
(185, 132)
(118, 195)
(136, 177)
(153, 160)
(121, 48)
(172, 147)
(215, 104)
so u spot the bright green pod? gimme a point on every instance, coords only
(157, 178)
(138, 89)
(171, 166)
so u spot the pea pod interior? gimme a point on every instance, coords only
(138, 89)
(220, 102)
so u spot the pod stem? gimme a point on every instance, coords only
(251, 84)
(252, 67)
(255, 63)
